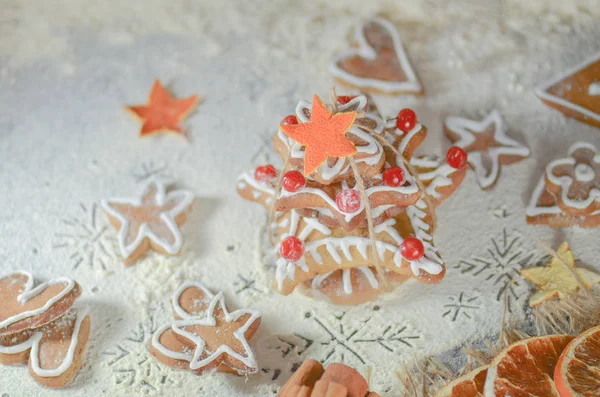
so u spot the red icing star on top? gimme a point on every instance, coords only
(163, 113)
(323, 136)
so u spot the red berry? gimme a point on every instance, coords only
(412, 249)
(265, 173)
(456, 157)
(292, 248)
(348, 200)
(293, 181)
(291, 119)
(406, 120)
(344, 99)
(393, 177)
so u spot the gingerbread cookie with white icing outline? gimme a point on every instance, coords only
(568, 193)
(150, 222)
(205, 335)
(487, 144)
(42, 327)
(576, 93)
(378, 63)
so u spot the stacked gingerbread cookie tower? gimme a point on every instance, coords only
(352, 211)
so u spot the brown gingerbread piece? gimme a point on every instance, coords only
(41, 326)
(337, 380)
(576, 93)
(206, 335)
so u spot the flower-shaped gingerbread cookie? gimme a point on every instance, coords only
(575, 180)
(378, 63)
(40, 326)
(205, 334)
(151, 221)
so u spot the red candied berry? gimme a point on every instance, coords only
(456, 157)
(291, 119)
(265, 173)
(393, 177)
(293, 181)
(406, 120)
(348, 200)
(412, 249)
(344, 99)
(292, 248)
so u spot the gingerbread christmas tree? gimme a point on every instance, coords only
(352, 212)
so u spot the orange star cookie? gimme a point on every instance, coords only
(163, 113)
(323, 136)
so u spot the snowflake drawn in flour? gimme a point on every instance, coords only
(461, 305)
(87, 238)
(134, 368)
(152, 170)
(341, 341)
(501, 265)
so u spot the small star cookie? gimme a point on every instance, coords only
(205, 334)
(163, 113)
(378, 63)
(556, 281)
(576, 93)
(151, 221)
(487, 144)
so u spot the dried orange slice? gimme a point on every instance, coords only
(468, 385)
(577, 373)
(525, 368)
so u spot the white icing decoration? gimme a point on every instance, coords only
(565, 181)
(29, 292)
(370, 276)
(594, 89)
(410, 187)
(365, 50)
(439, 176)
(197, 361)
(69, 357)
(184, 199)
(179, 311)
(584, 173)
(466, 130)
(542, 91)
(347, 281)
(247, 178)
(533, 210)
(406, 139)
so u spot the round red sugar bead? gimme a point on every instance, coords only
(456, 157)
(291, 119)
(292, 248)
(393, 177)
(406, 120)
(348, 200)
(412, 249)
(293, 181)
(265, 173)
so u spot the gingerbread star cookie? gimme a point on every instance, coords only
(487, 145)
(556, 281)
(378, 63)
(163, 113)
(576, 93)
(151, 221)
(568, 193)
(205, 334)
(41, 326)
(337, 380)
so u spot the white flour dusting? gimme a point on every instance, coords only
(66, 69)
